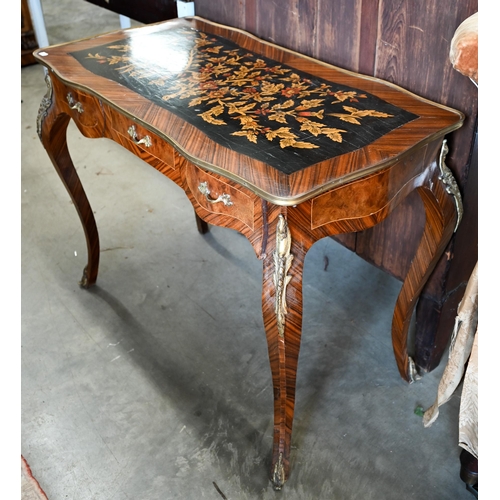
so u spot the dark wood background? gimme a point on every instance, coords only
(406, 42)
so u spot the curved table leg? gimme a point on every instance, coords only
(282, 310)
(52, 127)
(440, 222)
(201, 224)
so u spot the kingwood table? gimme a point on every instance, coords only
(281, 147)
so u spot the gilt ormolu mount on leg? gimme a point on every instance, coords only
(282, 262)
(282, 312)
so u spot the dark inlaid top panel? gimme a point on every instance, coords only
(243, 101)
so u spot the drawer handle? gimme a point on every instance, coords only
(74, 105)
(146, 140)
(224, 198)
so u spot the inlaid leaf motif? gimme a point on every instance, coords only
(195, 102)
(234, 61)
(259, 63)
(284, 143)
(118, 59)
(355, 114)
(248, 122)
(251, 136)
(343, 96)
(208, 116)
(366, 112)
(313, 127)
(335, 134)
(271, 88)
(282, 133)
(377, 114)
(303, 145)
(218, 110)
(278, 116)
(285, 105)
(309, 103)
(347, 118)
(215, 50)
(242, 109)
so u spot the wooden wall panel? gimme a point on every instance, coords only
(251, 16)
(368, 36)
(276, 21)
(227, 12)
(338, 33)
(330, 31)
(413, 51)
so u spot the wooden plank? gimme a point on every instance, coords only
(224, 12)
(251, 16)
(272, 21)
(412, 51)
(368, 35)
(338, 34)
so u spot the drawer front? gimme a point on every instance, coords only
(367, 197)
(84, 109)
(218, 196)
(134, 134)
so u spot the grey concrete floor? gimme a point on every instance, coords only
(155, 383)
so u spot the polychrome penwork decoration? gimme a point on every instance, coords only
(246, 102)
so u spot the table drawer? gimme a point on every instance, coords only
(84, 109)
(137, 135)
(218, 196)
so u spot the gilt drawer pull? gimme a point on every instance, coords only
(74, 105)
(224, 198)
(146, 140)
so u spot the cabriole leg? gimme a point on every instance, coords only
(52, 125)
(282, 310)
(201, 224)
(443, 208)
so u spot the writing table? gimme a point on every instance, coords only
(281, 147)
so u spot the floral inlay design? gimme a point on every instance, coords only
(247, 89)
(242, 100)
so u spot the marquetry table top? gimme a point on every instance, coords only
(282, 124)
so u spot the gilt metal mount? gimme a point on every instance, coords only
(282, 262)
(44, 105)
(450, 184)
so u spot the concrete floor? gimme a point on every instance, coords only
(155, 383)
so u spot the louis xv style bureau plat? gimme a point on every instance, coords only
(283, 148)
